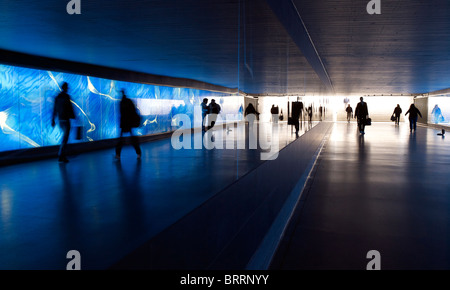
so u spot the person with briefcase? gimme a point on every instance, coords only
(396, 115)
(362, 116)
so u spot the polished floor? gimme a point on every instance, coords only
(388, 191)
(105, 209)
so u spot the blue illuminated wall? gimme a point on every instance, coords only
(27, 98)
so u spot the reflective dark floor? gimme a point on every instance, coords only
(388, 191)
(105, 209)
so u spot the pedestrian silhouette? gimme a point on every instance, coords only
(310, 113)
(413, 116)
(362, 114)
(250, 110)
(214, 110)
(297, 108)
(205, 111)
(346, 101)
(63, 110)
(129, 119)
(349, 111)
(274, 111)
(397, 113)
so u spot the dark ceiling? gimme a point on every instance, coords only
(258, 46)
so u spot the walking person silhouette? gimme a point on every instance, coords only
(413, 116)
(349, 111)
(397, 113)
(362, 114)
(129, 119)
(63, 110)
(205, 111)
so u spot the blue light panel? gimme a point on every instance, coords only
(27, 98)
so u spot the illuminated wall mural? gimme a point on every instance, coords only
(27, 97)
(439, 110)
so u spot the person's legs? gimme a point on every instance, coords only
(213, 118)
(415, 124)
(361, 125)
(411, 124)
(135, 142)
(204, 122)
(119, 145)
(65, 126)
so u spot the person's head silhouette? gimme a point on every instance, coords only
(65, 87)
(205, 100)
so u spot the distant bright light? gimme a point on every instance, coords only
(3, 118)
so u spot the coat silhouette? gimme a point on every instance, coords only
(129, 119)
(63, 110)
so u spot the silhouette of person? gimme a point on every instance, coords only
(300, 106)
(320, 112)
(296, 113)
(205, 111)
(361, 114)
(349, 111)
(274, 111)
(346, 101)
(397, 113)
(413, 116)
(63, 110)
(214, 110)
(310, 113)
(129, 119)
(250, 110)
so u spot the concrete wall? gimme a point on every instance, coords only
(422, 105)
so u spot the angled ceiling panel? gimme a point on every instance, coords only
(404, 50)
(243, 44)
(236, 44)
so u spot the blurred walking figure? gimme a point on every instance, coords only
(63, 110)
(205, 111)
(349, 111)
(397, 113)
(129, 119)
(413, 116)
(362, 114)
